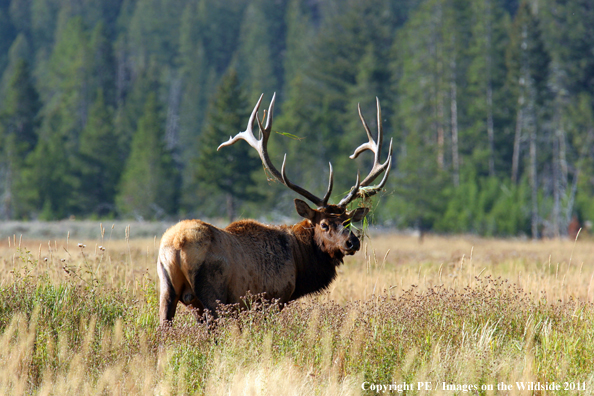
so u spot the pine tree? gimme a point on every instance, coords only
(130, 112)
(487, 111)
(100, 167)
(568, 31)
(19, 51)
(153, 32)
(18, 124)
(228, 171)
(65, 89)
(300, 37)
(255, 52)
(148, 187)
(44, 18)
(48, 181)
(319, 109)
(7, 35)
(102, 72)
(528, 75)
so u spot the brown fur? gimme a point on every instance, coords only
(202, 265)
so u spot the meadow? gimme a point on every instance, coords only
(448, 315)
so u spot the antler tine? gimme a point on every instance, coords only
(269, 115)
(261, 147)
(352, 194)
(301, 191)
(330, 185)
(365, 146)
(371, 191)
(246, 135)
(378, 167)
(374, 147)
(259, 144)
(265, 131)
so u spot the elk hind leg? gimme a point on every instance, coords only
(168, 297)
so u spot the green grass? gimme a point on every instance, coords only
(79, 333)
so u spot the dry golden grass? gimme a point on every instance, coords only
(392, 263)
(82, 320)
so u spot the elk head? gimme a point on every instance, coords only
(332, 223)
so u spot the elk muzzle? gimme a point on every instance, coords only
(352, 244)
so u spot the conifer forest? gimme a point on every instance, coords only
(115, 108)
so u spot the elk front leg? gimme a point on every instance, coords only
(190, 300)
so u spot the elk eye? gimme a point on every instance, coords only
(324, 226)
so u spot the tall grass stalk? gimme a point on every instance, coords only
(454, 311)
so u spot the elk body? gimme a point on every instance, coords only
(201, 265)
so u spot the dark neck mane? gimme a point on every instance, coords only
(315, 268)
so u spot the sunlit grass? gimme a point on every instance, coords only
(83, 320)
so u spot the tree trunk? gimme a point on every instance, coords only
(454, 111)
(438, 99)
(517, 138)
(533, 180)
(230, 208)
(490, 128)
(440, 131)
(172, 121)
(556, 188)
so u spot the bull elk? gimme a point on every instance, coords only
(202, 265)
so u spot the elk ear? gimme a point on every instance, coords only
(358, 214)
(304, 210)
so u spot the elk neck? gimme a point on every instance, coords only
(316, 269)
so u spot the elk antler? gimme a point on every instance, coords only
(357, 191)
(261, 147)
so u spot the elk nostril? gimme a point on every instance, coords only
(349, 245)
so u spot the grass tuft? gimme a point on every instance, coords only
(440, 311)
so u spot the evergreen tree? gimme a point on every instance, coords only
(47, 178)
(153, 32)
(528, 75)
(102, 65)
(148, 188)
(199, 78)
(18, 124)
(7, 35)
(422, 119)
(19, 51)
(132, 109)
(421, 187)
(228, 171)
(568, 32)
(422, 84)
(100, 166)
(460, 111)
(65, 89)
(300, 37)
(318, 108)
(44, 16)
(255, 51)
(489, 108)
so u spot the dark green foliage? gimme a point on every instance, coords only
(570, 36)
(228, 171)
(100, 165)
(7, 35)
(18, 123)
(47, 180)
(468, 90)
(148, 187)
(20, 106)
(487, 206)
